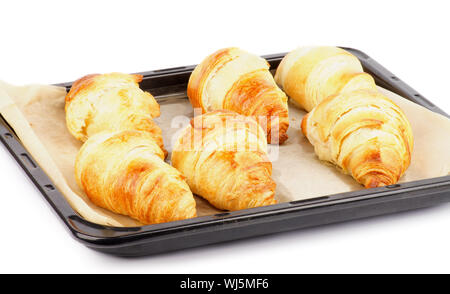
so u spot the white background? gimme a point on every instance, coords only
(45, 42)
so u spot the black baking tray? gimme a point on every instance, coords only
(151, 239)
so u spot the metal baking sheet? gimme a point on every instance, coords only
(170, 84)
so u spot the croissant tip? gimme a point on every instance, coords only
(280, 140)
(375, 182)
(372, 184)
(165, 152)
(303, 124)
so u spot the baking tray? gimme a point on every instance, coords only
(151, 239)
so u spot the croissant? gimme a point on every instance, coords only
(124, 172)
(364, 133)
(223, 156)
(235, 80)
(111, 102)
(310, 74)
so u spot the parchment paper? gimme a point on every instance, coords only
(36, 113)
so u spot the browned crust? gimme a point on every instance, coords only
(94, 82)
(201, 73)
(141, 186)
(79, 85)
(376, 162)
(88, 81)
(228, 179)
(304, 125)
(254, 95)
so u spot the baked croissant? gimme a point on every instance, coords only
(223, 156)
(124, 172)
(236, 80)
(364, 133)
(310, 74)
(111, 102)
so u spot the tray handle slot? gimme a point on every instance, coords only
(26, 159)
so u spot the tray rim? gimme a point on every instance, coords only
(111, 239)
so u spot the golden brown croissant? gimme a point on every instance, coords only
(235, 80)
(223, 156)
(364, 133)
(110, 102)
(310, 74)
(124, 172)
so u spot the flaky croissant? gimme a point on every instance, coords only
(111, 102)
(236, 80)
(364, 133)
(223, 156)
(124, 172)
(310, 74)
